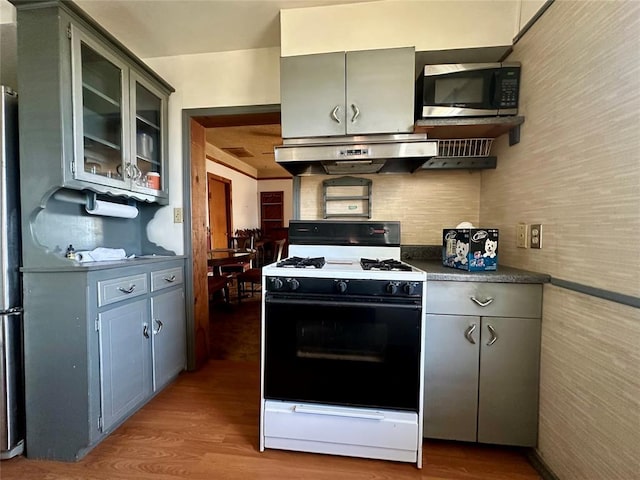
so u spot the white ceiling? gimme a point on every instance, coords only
(157, 28)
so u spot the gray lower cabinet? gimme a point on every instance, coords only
(125, 360)
(99, 343)
(169, 336)
(482, 371)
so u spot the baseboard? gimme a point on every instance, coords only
(539, 465)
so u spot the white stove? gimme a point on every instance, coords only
(342, 344)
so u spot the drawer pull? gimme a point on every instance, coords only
(469, 332)
(127, 290)
(494, 335)
(337, 413)
(488, 301)
(170, 279)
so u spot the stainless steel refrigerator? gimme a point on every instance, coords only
(11, 358)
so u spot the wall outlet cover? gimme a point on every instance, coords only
(536, 235)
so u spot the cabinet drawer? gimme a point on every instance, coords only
(123, 288)
(166, 278)
(318, 427)
(499, 299)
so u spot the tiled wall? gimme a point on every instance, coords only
(577, 171)
(424, 202)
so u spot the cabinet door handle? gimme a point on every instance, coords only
(469, 332)
(170, 279)
(484, 303)
(494, 335)
(145, 331)
(137, 172)
(127, 290)
(128, 170)
(356, 112)
(334, 113)
(160, 325)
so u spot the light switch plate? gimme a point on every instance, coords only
(177, 215)
(521, 235)
(536, 235)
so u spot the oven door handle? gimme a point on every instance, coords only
(334, 412)
(339, 303)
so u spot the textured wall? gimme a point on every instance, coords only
(577, 167)
(590, 387)
(577, 171)
(425, 202)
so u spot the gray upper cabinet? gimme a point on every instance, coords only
(352, 93)
(118, 120)
(92, 115)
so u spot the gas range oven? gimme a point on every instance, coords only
(342, 336)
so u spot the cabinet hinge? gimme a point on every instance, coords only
(73, 167)
(69, 31)
(97, 325)
(100, 426)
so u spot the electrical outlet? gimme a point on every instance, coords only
(521, 235)
(536, 235)
(177, 215)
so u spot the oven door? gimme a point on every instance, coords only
(341, 350)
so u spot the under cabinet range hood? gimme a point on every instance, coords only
(396, 153)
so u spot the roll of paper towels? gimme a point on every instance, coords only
(109, 209)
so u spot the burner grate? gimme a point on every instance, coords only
(299, 262)
(389, 264)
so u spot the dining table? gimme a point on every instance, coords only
(219, 257)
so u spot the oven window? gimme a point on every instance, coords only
(340, 353)
(465, 90)
(337, 340)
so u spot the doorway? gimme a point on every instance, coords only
(220, 211)
(196, 238)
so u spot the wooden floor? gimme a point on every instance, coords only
(205, 426)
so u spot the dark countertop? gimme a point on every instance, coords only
(436, 271)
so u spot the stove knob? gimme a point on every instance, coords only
(294, 284)
(341, 286)
(392, 288)
(409, 288)
(276, 284)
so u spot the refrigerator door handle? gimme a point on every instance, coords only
(11, 312)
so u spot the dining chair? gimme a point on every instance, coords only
(254, 275)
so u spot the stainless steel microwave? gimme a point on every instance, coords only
(468, 90)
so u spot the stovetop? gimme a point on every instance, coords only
(347, 268)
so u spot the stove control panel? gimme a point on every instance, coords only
(339, 286)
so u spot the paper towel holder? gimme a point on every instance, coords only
(90, 201)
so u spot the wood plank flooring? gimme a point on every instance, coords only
(205, 426)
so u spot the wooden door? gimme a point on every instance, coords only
(271, 211)
(219, 210)
(199, 244)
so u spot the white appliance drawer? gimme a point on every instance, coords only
(166, 278)
(485, 299)
(123, 288)
(337, 430)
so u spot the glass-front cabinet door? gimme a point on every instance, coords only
(101, 99)
(148, 115)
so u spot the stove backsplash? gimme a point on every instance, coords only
(420, 252)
